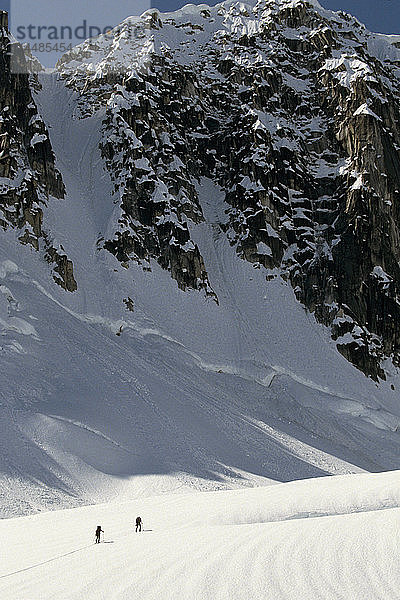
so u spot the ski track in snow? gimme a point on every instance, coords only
(89, 429)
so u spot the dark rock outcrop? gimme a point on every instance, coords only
(28, 176)
(295, 114)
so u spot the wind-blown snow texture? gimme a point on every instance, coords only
(130, 385)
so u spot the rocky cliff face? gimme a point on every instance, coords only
(28, 177)
(294, 111)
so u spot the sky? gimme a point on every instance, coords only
(378, 15)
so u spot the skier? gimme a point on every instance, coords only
(138, 524)
(98, 532)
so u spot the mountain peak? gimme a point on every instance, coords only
(308, 89)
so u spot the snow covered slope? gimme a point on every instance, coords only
(181, 393)
(120, 382)
(322, 539)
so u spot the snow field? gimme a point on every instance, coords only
(329, 538)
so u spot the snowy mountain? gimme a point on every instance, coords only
(294, 112)
(199, 262)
